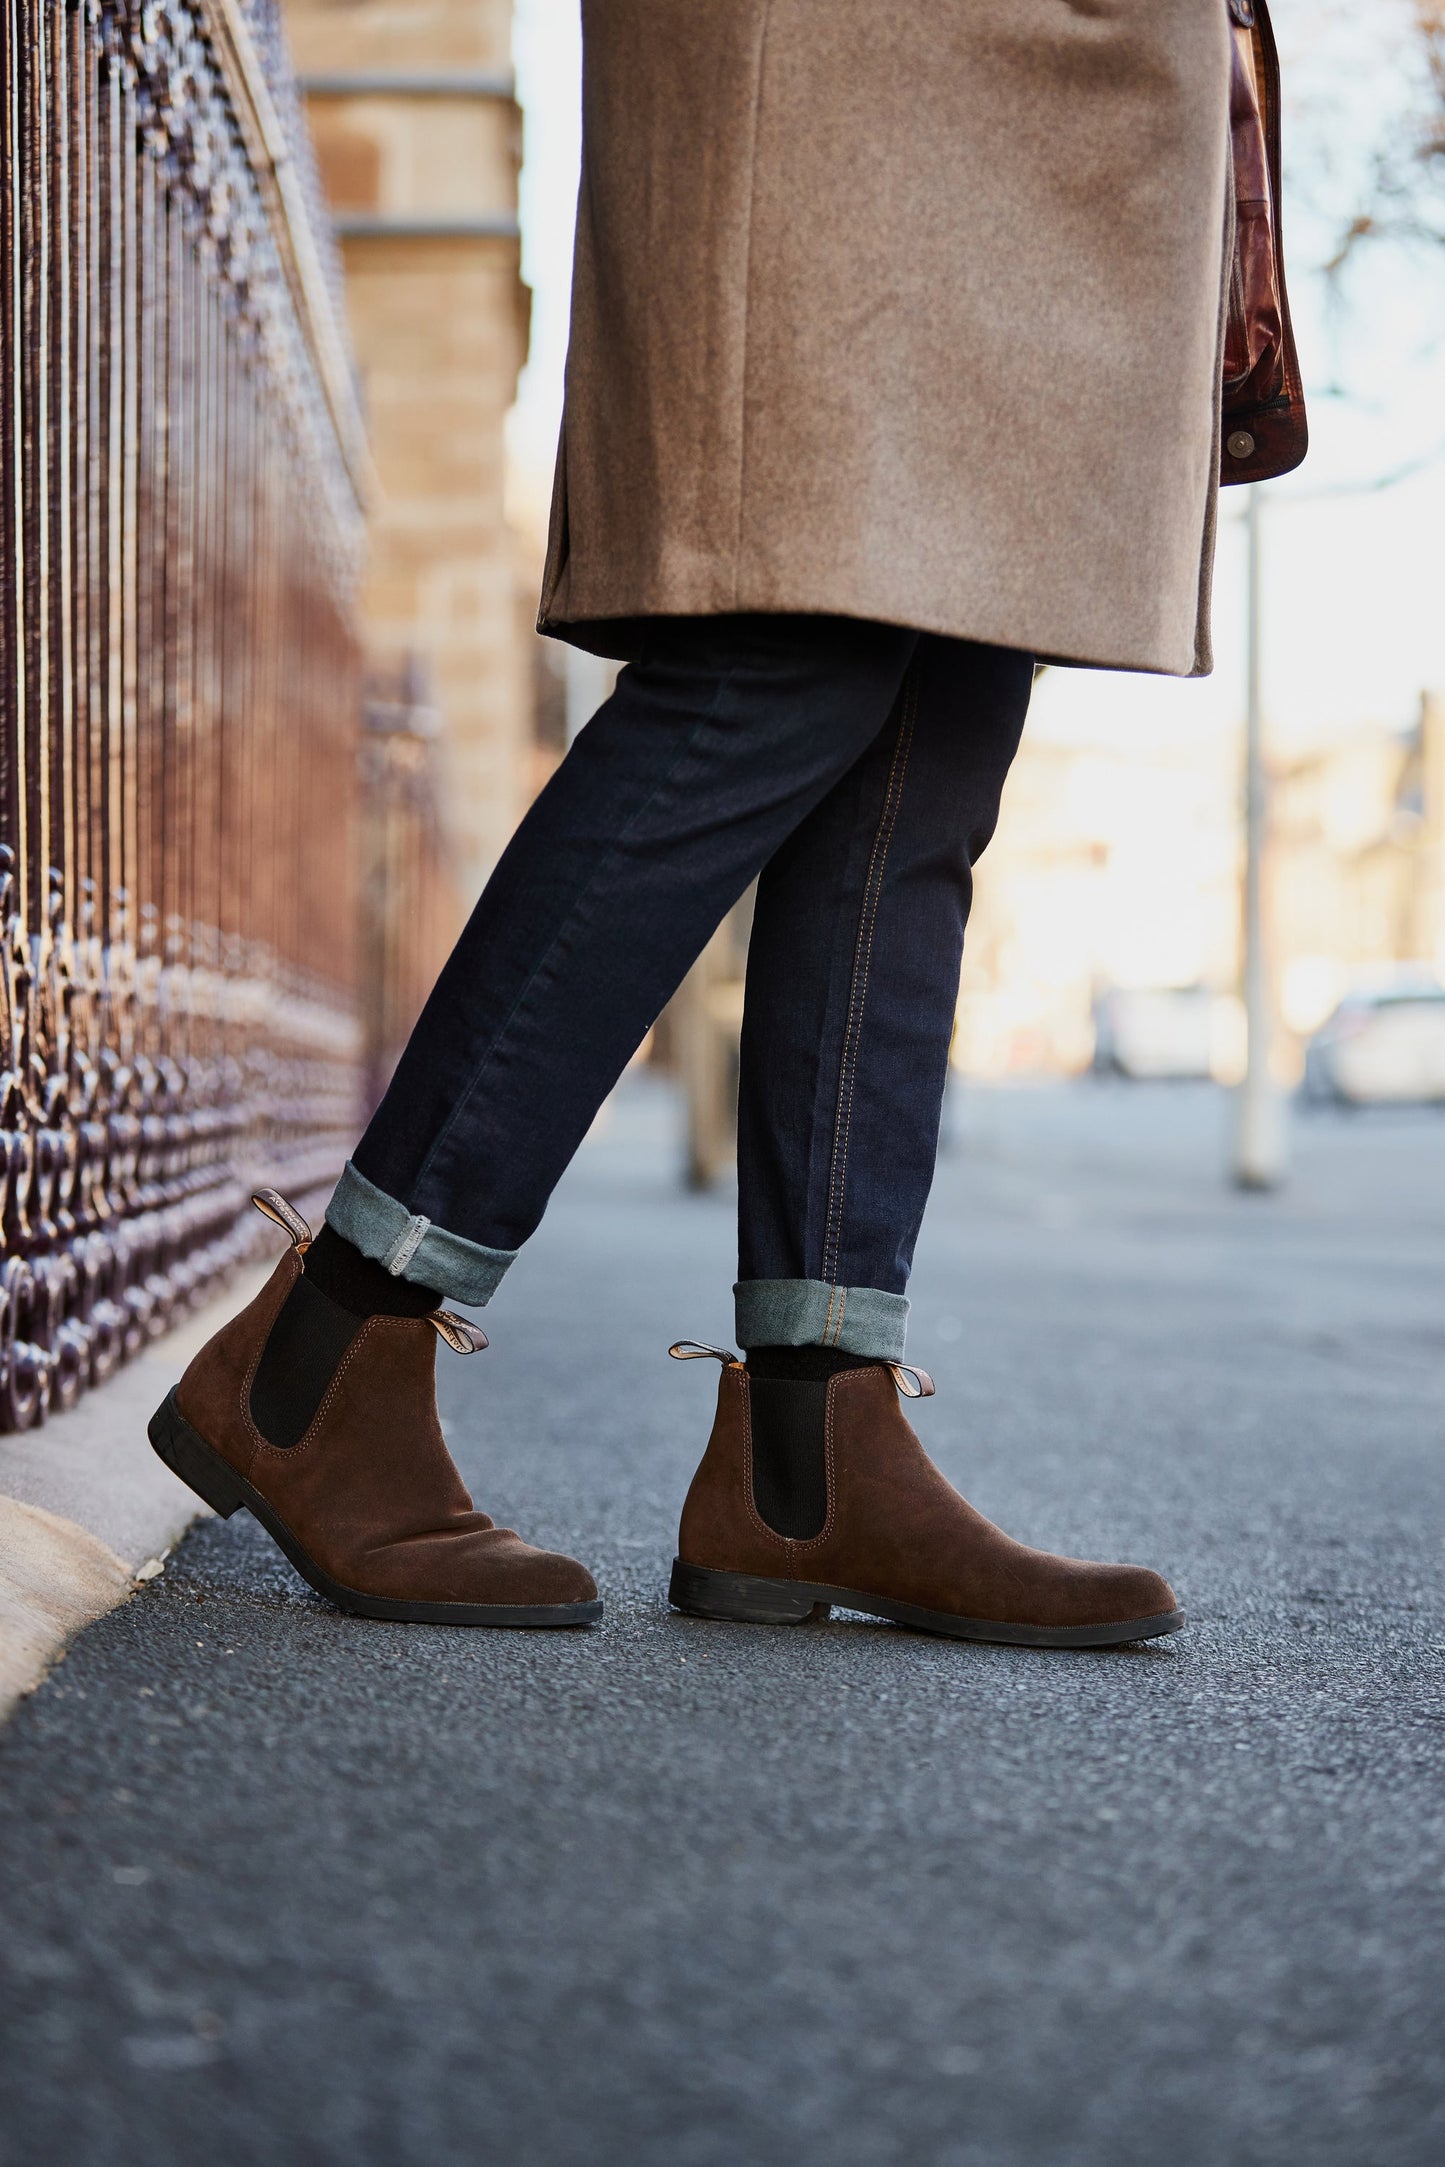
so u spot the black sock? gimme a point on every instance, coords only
(362, 1285)
(788, 1396)
(811, 1365)
(338, 1290)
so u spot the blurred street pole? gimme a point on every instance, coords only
(1259, 1143)
(1259, 1134)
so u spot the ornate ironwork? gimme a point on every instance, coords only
(180, 528)
(411, 902)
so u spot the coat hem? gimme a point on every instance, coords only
(620, 635)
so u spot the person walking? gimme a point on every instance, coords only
(895, 366)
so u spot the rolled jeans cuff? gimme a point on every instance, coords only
(410, 1246)
(810, 1313)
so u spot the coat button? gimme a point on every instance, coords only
(1240, 444)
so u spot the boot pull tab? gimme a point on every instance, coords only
(698, 1350)
(914, 1384)
(462, 1336)
(280, 1213)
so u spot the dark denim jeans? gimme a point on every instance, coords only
(857, 769)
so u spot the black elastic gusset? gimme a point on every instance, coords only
(360, 1284)
(788, 1391)
(790, 1475)
(298, 1362)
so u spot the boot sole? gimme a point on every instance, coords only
(202, 1469)
(744, 1599)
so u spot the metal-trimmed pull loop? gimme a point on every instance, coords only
(460, 1334)
(698, 1350)
(914, 1384)
(274, 1207)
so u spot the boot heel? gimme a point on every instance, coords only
(187, 1454)
(740, 1598)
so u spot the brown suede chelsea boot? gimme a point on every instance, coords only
(840, 1504)
(364, 1498)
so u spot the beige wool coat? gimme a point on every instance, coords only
(900, 309)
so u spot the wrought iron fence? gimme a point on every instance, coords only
(411, 902)
(181, 465)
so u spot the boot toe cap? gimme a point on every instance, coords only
(564, 1578)
(490, 1568)
(1133, 1591)
(515, 1572)
(1074, 1592)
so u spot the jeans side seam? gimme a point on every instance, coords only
(406, 1245)
(588, 888)
(862, 961)
(829, 1268)
(863, 954)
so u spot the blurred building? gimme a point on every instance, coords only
(1118, 869)
(1359, 862)
(1112, 867)
(418, 136)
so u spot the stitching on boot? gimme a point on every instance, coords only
(811, 1542)
(743, 1385)
(290, 1452)
(293, 1258)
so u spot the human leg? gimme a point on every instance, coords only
(316, 1407)
(712, 749)
(853, 973)
(814, 1488)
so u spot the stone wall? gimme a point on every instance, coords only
(419, 140)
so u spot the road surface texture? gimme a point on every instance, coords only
(282, 1887)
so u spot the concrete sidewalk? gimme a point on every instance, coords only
(280, 1886)
(86, 1507)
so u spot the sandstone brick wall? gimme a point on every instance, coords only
(420, 142)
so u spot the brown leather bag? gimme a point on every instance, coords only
(1265, 431)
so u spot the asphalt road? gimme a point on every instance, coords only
(282, 1887)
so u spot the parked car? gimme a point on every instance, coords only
(1150, 1033)
(1383, 1045)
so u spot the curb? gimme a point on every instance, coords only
(87, 1510)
